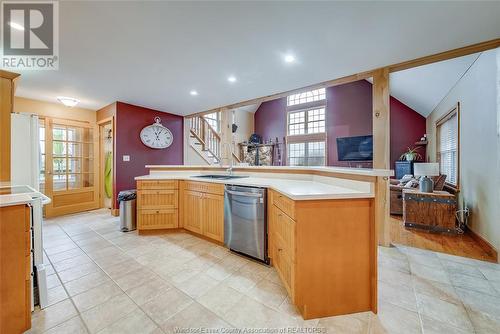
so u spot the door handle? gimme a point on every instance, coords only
(248, 194)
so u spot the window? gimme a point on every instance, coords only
(447, 146)
(306, 97)
(214, 120)
(306, 131)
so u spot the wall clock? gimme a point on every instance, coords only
(156, 135)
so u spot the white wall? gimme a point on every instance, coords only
(245, 122)
(477, 91)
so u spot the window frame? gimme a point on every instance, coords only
(455, 110)
(307, 137)
(217, 119)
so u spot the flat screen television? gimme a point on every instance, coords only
(359, 148)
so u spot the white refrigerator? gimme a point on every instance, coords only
(25, 171)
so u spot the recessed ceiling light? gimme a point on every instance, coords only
(68, 101)
(289, 58)
(193, 93)
(231, 78)
(16, 26)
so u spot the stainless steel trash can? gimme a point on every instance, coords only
(127, 200)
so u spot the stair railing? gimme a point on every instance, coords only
(206, 135)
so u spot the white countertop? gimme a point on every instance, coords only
(341, 170)
(295, 186)
(21, 195)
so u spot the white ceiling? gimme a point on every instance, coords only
(153, 53)
(422, 88)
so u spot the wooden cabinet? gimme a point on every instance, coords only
(157, 204)
(203, 209)
(15, 269)
(325, 253)
(192, 204)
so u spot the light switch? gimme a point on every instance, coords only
(126, 158)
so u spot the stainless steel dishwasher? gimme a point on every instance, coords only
(245, 224)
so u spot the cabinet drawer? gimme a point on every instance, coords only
(284, 234)
(285, 268)
(285, 204)
(204, 187)
(158, 184)
(158, 199)
(157, 219)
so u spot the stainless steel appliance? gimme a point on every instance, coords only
(245, 225)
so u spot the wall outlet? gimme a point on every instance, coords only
(126, 158)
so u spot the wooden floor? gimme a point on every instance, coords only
(461, 245)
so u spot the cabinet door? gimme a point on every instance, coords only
(192, 211)
(213, 216)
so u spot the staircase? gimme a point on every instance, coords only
(205, 140)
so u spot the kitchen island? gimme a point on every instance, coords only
(322, 225)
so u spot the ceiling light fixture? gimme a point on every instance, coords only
(68, 101)
(193, 93)
(231, 78)
(289, 58)
(16, 26)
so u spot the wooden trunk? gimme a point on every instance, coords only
(431, 211)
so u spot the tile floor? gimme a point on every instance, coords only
(105, 281)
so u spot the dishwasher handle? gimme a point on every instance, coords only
(247, 194)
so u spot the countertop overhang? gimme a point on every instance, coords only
(315, 183)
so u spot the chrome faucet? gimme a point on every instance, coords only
(230, 169)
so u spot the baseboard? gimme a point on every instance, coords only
(115, 212)
(488, 248)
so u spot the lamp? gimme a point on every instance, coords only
(426, 169)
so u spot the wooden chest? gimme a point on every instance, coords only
(431, 211)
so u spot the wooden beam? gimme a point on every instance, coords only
(381, 151)
(460, 52)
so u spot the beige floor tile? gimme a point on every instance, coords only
(135, 278)
(256, 268)
(433, 326)
(108, 312)
(53, 281)
(243, 281)
(133, 323)
(357, 323)
(394, 277)
(398, 295)
(473, 283)
(291, 312)
(460, 268)
(109, 261)
(61, 248)
(274, 277)
(220, 299)
(248, 312)
(55, 295)
(104, 252)
(52, 316)
(164, 306)
(491, 274)
(452, 314)
(435, 289)
(268, 293)
(430, 273)
(428, 259)
(479, 302)
(66, 255)
(182, 274)
(197, 285)
(71, 262)
(393, 252)
(147, 291)
(194, 316)
(397, 264)
(74, 326)
(78, 271)
(392, 319)
(484, 323)
(86, 282)
(95, 296)
(219, 271)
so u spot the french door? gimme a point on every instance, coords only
(69, 166)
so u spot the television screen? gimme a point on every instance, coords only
(359, 148)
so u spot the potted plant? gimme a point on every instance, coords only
(411, 154)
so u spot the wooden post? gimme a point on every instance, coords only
(7, 87)
(381, 151)
(226, 135)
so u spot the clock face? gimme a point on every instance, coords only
(156, 136)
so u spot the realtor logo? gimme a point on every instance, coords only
(30, 36)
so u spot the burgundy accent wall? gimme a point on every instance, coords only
(130, 120)
(407, 127)
(349, 113)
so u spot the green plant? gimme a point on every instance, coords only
(411, 154)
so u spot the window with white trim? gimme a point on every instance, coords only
(306, 128)
(447, 146)
(214, 120)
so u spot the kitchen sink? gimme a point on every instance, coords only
(220, 176)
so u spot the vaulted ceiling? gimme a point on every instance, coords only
(154, 53)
